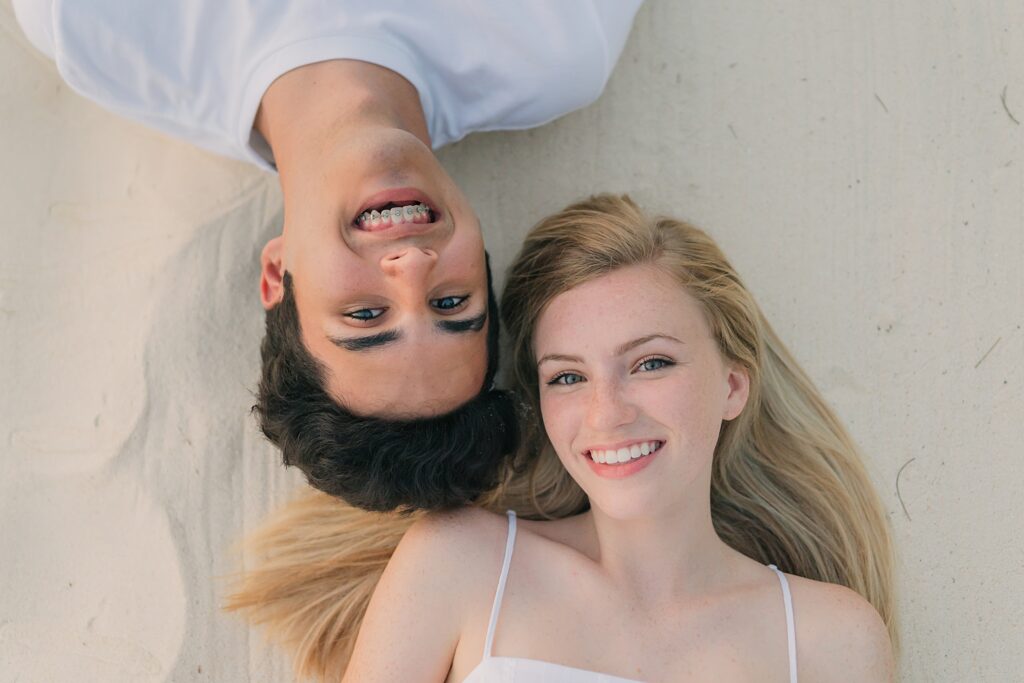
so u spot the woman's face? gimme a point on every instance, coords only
(630, 375)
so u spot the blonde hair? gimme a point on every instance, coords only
(317, 562)
(788, 485)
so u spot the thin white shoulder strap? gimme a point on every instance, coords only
(509, 544)
(790, 629)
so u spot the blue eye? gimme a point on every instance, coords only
(449, 303)
(566, 379)
(366, 313)
(651, 364)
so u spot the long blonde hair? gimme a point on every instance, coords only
(788, 485)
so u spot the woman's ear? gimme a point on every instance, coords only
(272, 273)
(739, 389)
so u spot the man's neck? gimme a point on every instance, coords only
(308, 108)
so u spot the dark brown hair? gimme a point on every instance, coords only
(377, 463)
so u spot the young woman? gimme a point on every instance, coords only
(716, 523)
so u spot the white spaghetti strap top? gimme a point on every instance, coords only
(500, 593)
(790, 628)
(519, 670)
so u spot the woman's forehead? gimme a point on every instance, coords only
(621, 302)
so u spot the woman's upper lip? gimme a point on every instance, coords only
(619, 444)
(396, 195)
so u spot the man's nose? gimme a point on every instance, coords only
(409, 263)
(610, 407)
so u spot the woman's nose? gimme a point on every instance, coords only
(409, 263)
(610, 408)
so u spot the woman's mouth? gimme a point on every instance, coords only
(626, 454)
(615, 463)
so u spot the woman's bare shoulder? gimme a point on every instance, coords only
(469, 539)
(441, 574)
(459, 525)
(840, 636)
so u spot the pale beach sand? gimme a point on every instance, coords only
(857, 161)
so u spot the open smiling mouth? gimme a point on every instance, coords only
(624, 455)
(390, 214)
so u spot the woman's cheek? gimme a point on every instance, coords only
(558, 412)
(697, 412)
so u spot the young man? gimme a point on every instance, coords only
(381, 337)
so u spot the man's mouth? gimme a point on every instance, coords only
(390, 214)
(398, 206)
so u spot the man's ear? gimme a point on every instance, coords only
(739, 391)
(272, 273)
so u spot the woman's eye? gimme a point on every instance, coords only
(366, 313)
(651, 364)
(565, 379)
(449, 303)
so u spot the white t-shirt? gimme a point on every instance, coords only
(197, 69)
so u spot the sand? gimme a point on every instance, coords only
(860, 163)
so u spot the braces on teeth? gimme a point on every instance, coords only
(414, 213)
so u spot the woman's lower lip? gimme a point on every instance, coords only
(620, 470)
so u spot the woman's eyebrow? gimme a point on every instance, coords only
(639, 341)
(560, 356)
(643, 340)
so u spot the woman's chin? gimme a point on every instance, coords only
(625, 508)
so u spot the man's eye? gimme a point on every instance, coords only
(366, 313)
(565, 379)
(449, 303)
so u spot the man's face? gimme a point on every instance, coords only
(394, 308)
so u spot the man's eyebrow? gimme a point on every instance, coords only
(468, 325)
(618, 352)
(365, 343)
(391, 336)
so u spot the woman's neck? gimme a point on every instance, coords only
(664, 557)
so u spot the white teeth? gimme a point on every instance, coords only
(409, 213)
(621, 455)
